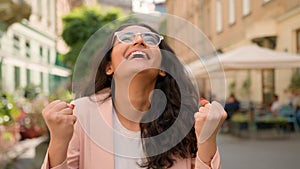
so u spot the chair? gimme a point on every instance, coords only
(290, 114)
(260, 116)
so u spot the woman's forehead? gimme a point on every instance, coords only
(136, 28)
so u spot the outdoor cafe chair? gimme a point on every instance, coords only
(290, 115)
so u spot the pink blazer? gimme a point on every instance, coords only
(91, 146)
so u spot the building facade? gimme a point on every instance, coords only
(230, 24)
(28, 51)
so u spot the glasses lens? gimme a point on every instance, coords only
(126, 37)
(151, 39)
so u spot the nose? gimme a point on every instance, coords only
(138, 40)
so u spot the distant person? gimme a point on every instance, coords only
(288, 95)
(295, 99)
(232, 106)
(276, 106)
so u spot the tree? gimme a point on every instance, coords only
(81, 24)
(13, 11)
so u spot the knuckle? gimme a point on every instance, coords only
(57, 119)
(200, 118)
(46, 115)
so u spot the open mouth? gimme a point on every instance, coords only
(138, 55)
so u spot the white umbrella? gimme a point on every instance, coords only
(247, 57)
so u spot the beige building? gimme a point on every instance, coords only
(230, 24)
(28, 52)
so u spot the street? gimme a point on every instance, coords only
(259, 153)
(236, 153)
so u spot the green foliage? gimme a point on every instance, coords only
(7, 136)
(163, 26)
(295, 82)
(61, 94)
(31, 91)
(232, 87)
(70, 58)
(81, 24)
(241, 118)
(245, 88)
(246, 84)
(8, 109)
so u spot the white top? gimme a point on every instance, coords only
(275, 108)
(127, 146)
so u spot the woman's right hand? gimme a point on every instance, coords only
(60, 120)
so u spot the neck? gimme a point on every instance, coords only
(140, 94)
(132, 99)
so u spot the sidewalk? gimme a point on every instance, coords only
(24, 154)
(253, 153)
(236, 153)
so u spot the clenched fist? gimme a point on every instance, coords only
(208, 120)
(60, 120)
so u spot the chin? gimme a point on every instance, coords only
(137, 67)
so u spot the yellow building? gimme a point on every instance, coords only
(230, 24)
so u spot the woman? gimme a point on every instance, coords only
(136, 61)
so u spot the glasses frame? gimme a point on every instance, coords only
(116, 34)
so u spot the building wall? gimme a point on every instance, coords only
(261, 21)
(28, 50)
(278, 19)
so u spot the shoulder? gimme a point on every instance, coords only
(80, 101)
(101, 96)
(90, 104)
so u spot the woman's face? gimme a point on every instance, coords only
(135, 57)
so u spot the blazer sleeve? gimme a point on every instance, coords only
(215, 162)
(72, 161)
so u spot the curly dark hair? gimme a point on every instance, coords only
(182, 103)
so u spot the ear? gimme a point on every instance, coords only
(109, 69)
(162, 73)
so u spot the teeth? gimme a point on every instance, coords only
(137, 54)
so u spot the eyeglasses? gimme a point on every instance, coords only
(151, 39)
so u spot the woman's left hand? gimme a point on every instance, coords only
(208, 121)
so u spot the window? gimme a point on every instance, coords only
(231, 12)
(27, 44)
(298, 41)
(42, 80)
(28, 80)
(246, 7)
(298, 46)
(268, 85)
(16, 42)
(41, 51)
(219, 16)
(17, 77)
(0, 73)
(48, 56)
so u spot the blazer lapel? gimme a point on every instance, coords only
(96, 121)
